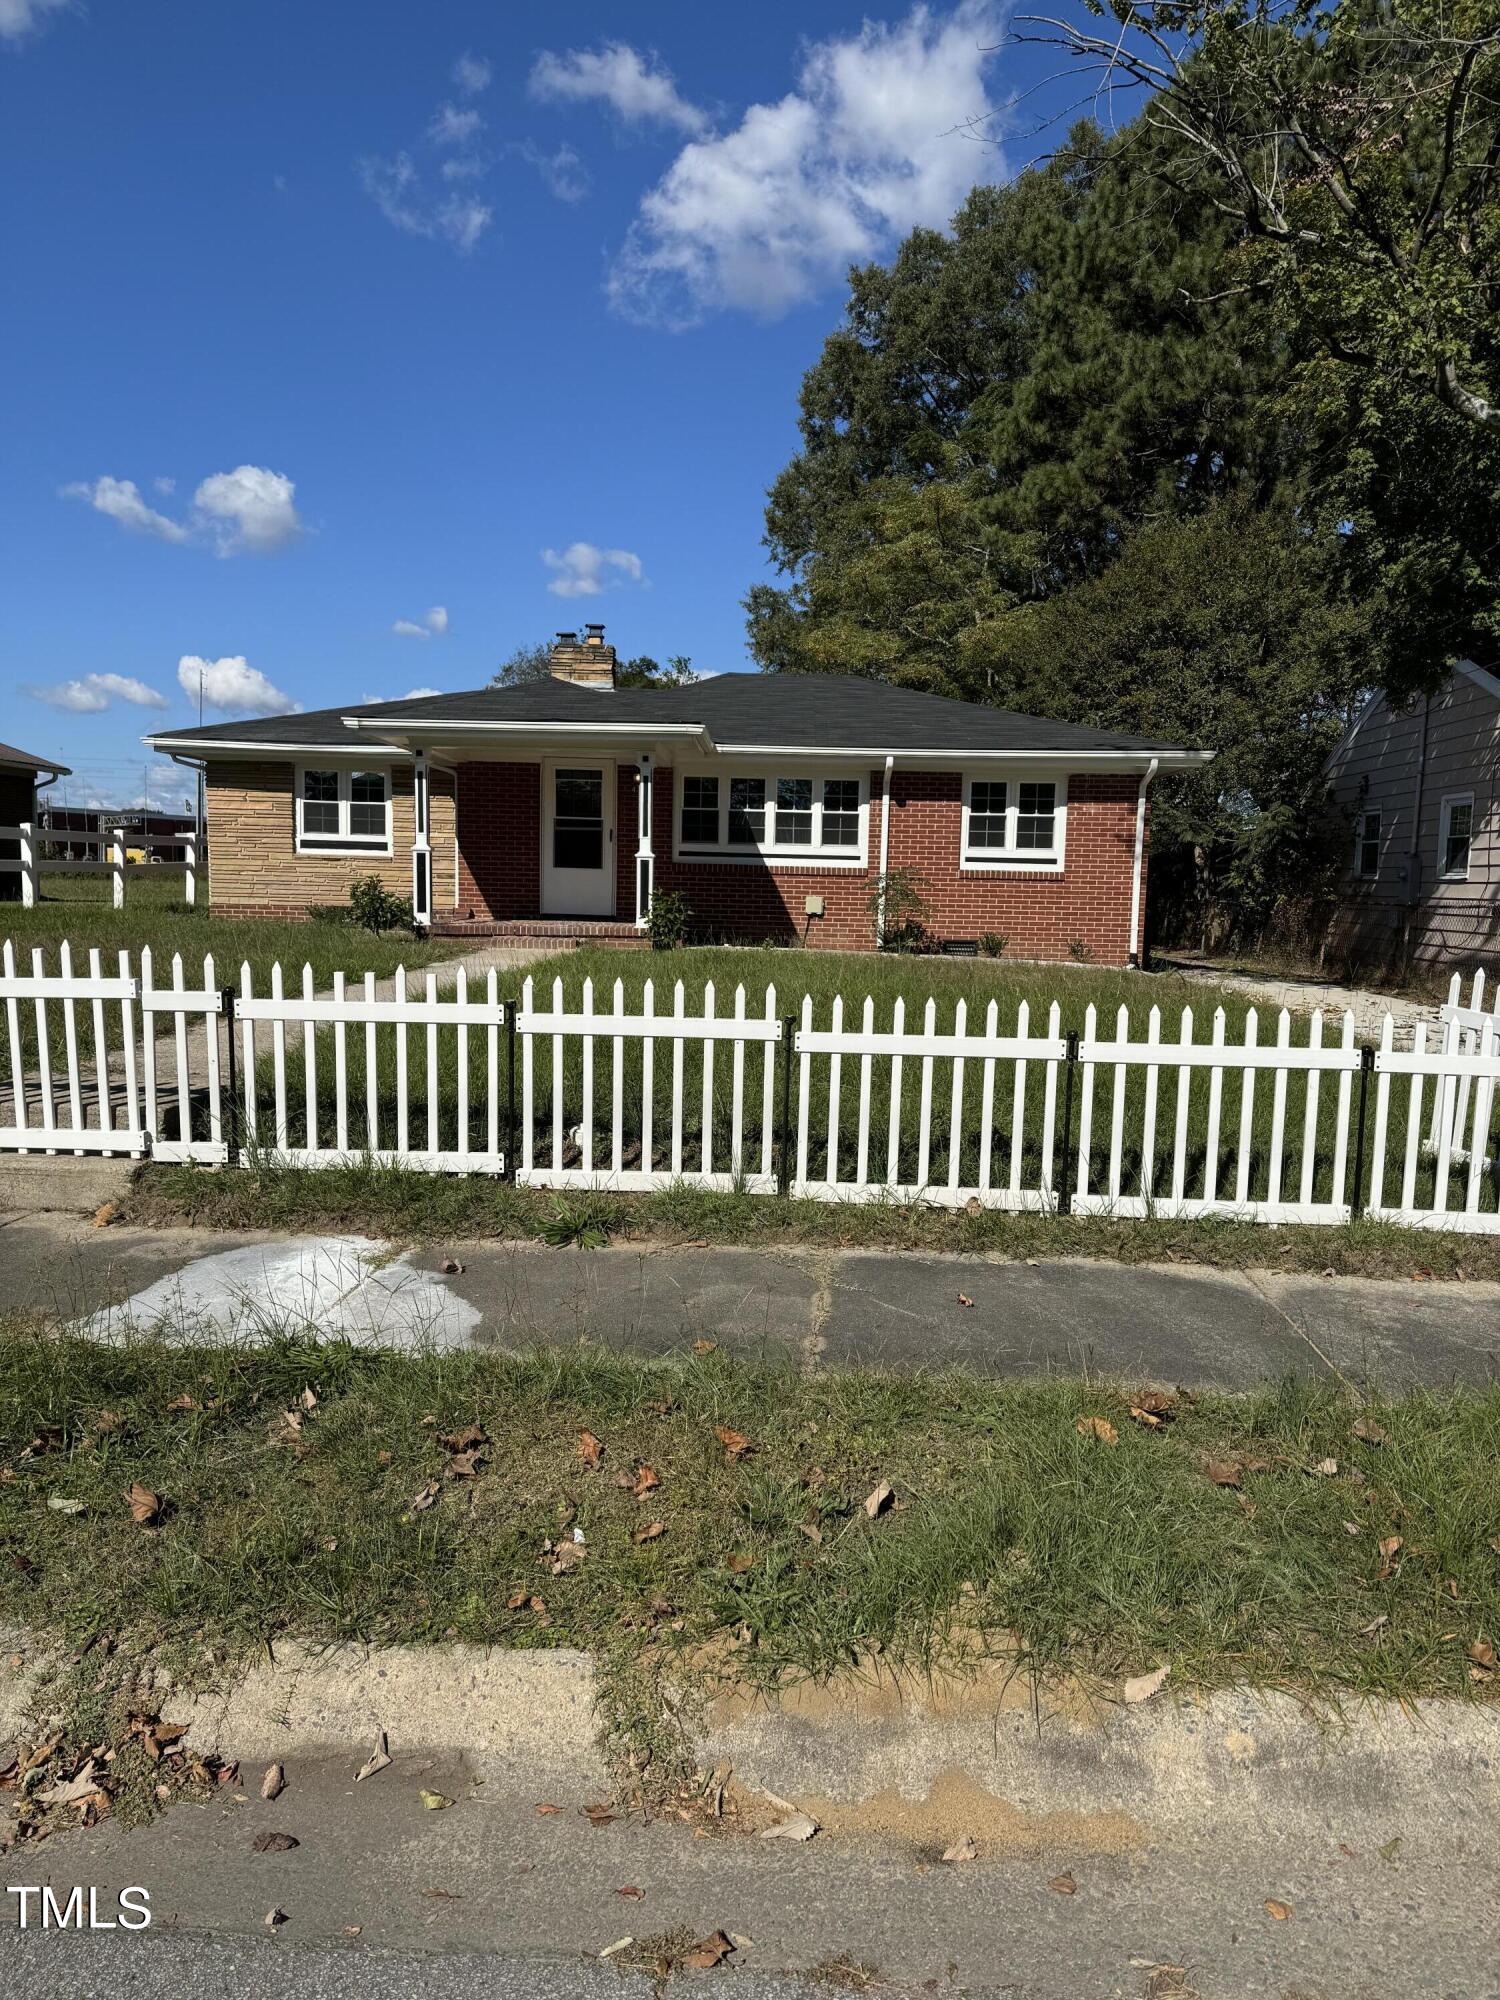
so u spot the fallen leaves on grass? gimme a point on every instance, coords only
(1223, 1471)
(155, 1737)
(378, 1760)
(1326, 1468)
(880, 1499)
(1141, 1687)
(1482, 1654)
(738, 1563)
(557, 1558)
(1368, 1431)
(1390, 1548)
(646, 1480)
(1097, 1427)
(705, 1346)
(653, 1531)
(59, 1505)
(69, 1791)
(735, 1443)
(424, 1497)
(145, 1506)
(273, 1784)
(590, 1450)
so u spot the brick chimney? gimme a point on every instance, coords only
(588, 660)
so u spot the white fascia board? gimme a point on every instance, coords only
(1480, 676)
(239, 747)
(1112, 760)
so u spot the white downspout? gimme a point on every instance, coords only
(885, 850)
(1134, 958)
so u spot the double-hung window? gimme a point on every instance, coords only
(799, 816)
(1367, 846)
(1455, 835)
(1013, 822)
(342, 811)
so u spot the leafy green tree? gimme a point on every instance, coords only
(644, 672)
(526, 663)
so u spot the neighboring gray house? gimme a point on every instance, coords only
(1421, 790)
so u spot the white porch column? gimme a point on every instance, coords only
(645, 859)
(421, 843)
(1133, 958)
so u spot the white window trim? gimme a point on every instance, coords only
(1013, 860)
(1445, 821)
(721, 854)
(335, 846)
(1361, 873)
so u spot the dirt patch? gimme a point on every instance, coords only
(875, 1692)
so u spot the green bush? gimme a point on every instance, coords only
(992, 944)
(374, 908)
(670, 922)
(899, 911)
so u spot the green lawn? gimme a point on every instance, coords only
(1219, 1542)
(958, 1124)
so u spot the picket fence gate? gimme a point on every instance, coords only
(107, 855)
(646, 1093)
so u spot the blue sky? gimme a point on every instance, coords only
(480, 318)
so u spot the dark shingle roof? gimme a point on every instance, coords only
(785, 711)
(13, 759)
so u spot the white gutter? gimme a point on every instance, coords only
(885, 846)
(1111, 760)
(191, 747)
(1135, 870)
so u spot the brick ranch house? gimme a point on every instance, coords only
(773, 803)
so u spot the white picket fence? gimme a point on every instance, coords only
(1285, 1122)
(109, 855)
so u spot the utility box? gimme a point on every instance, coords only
(813, 906)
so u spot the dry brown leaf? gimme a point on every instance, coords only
(543, 1811)
(273, 1784)
(735, 1443)
(434, 1801)
(1368, 1431)
(1352, 1528)
(378, 1759)
(467, 1464)
(796, 1826)
(964, 1299)
(739, 1563)
(631, 1890)
(963, 1849)
(1482, 1653)
(1148, 1419)
(69, 1791)
(646, 1480)
(590, 1450)
(274, 1843)
(1326, 1468)
(468, 1439)
(105, 1214)
(425, 1497)
(653, 1531)
(705, 1346)
(709, 1952)
(183, 1402)
(599, 1815)
(1277, 1909)
(144, 1505)
(1142, 1686)
(1098, 1427)
(878, 1501)
(1063, 1885)
(1389, 1549)
(1375, 1626)
(1223, 1471)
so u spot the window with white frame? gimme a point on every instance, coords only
(1367, 845)
(1013, 822)
(795, 815)
(343, 811)
(1455, 836)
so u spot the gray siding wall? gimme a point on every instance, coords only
(1376, 768)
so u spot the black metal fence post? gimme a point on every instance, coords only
(788, 1037)
(233, 1123)
(512, 1130)
(1070, 1066)
(1357, 1193)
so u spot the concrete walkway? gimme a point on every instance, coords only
(1165, 1324)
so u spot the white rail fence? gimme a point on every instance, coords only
(109, 855)
(1279, 1121)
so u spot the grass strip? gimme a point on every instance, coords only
(426, 1208)
(580, 1499)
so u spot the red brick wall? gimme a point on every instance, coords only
(499, 840)
(499, 815)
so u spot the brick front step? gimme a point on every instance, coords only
(542, 930)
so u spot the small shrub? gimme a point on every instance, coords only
(899, 907)
(670, 922)
(586, 1221)
(992, 944)
(374, 908)
(1079, 952)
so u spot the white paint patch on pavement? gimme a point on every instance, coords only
(332, 1286)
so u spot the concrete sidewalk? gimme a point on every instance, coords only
(1174, 1324)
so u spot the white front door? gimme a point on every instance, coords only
(578, 839)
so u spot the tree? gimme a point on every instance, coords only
(1356, 145)
(644, 672)
(526, 663)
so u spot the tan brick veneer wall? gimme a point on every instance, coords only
(253, 863)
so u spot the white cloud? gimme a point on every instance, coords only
(121, 500)
(878, 137)
(92, 692)
(233, 685)
(434, 625)
(412, 694)
(471, 74)
(250, 509)
(583, 570)
(563, 172)
(19, 18)
(638, 88)
(397, 190)
(163, 484)
(454, 127)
